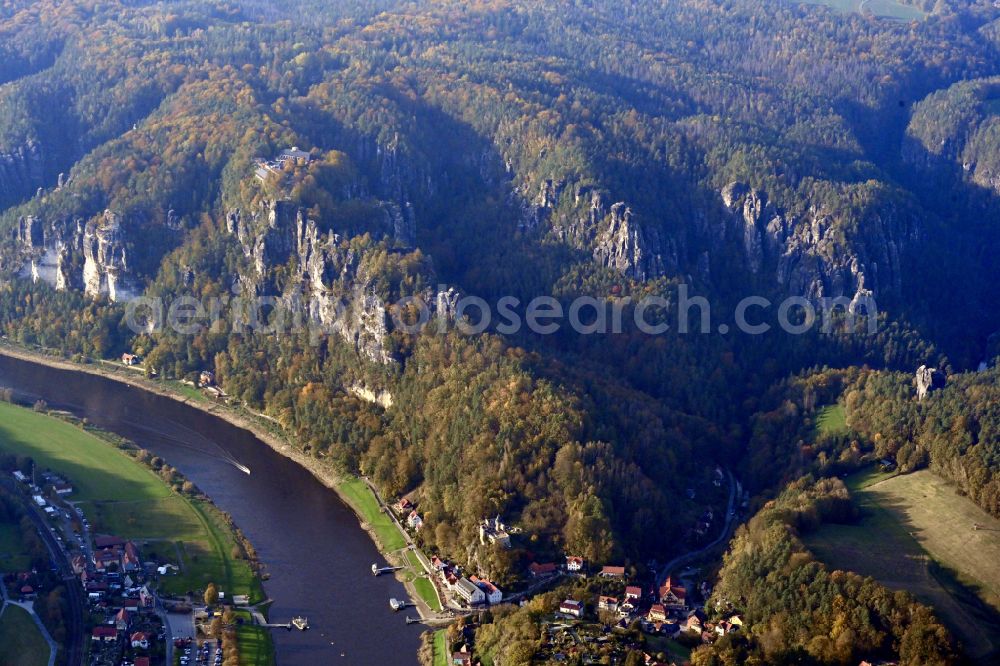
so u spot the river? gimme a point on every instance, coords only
(318, 557)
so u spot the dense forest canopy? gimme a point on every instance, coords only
(608, 150)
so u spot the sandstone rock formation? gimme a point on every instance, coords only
(928, 380)
(71, 254)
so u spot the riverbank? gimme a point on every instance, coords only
(126, 494)
(267, 431)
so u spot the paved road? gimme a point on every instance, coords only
(727, 531)
(62, 559)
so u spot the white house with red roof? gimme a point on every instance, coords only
(492, 592)
(609, 604)
(673, 596)
(657, 613)
(571, 608)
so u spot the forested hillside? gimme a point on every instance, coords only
(520, 148)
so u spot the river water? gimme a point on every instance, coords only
(318, 556)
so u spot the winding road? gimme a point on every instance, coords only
(727, 531)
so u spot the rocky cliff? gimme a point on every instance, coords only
(90, 256)
(614, 235)
(928, 380)
(22, 171)
(329, 286)
(814, 254)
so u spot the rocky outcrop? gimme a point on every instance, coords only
(105, 267)
(71, 254)
(578, 215)
(624, 246)
(22, 171)
(812, 255)
(757, 219)
(331, 291)
(381, 398)
(928, 380)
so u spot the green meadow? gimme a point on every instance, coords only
(122, 497)
(831, 420)
(917, 534)
(360, 496)
(21, 644)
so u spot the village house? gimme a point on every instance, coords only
(414, 521)
(542, 570)
(493, 530)
(574, 564)
(96, 590)
(105, 560)
(450, 578)
(123, 619)
(673, 596)
(63, 489)
(105, 542)
(657, 613)
(462, 658)
(206, 378)
(140, 639)
(628, 606)
(20, 476)
(609, 604)
(633, 592)
(571, 608)
(130, 558)
(492, 592)
(469, 592)
(79, 564)
(130, 359)
(613, 572)
(438, 564)
(104, 634)
(693, 623)
(142, 661)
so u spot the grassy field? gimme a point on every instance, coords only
(423, 585)
(122, 497)
(364, 502)
(831, 420)
(944, 523)
(425, 588)
(208, 559)
(441, 648)
(672, 648)
(917, 534)
(256, 648)
(21, 644)
(881, 8)
(12, 557)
